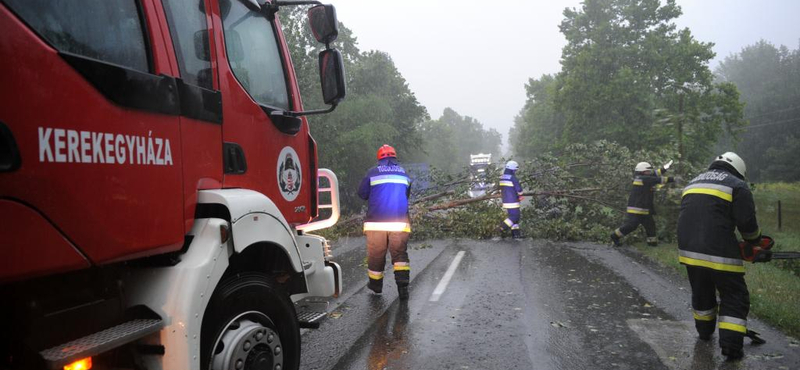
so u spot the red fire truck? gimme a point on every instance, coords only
(157, 183)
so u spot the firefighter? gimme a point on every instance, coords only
(512, 195)
(713, 205)
(640, 209)
(387, 187)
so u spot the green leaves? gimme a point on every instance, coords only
(625, 60)
(379, 108)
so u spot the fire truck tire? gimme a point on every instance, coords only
(250, 324)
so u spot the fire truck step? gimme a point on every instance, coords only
(100, 342)
(310, 319)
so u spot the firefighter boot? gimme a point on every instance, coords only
(705, 328)
(375, 285)
(402, 276)
(732, 354)
(375, 281)
(615, 239)
(502, 230)
(515, 233)
(402, 291)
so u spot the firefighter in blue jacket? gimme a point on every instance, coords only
(713, 206)
(387, 187)
(640, 209)
(512, 195)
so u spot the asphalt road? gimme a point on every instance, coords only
(523, 305)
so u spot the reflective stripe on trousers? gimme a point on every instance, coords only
(705, 315)
(638, 211)
(733, 324)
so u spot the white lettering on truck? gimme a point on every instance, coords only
(73, 146)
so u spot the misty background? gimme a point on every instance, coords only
(441, 80)
(476, 58)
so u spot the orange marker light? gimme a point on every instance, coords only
(82, 364)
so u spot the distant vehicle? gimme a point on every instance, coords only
(478, 164)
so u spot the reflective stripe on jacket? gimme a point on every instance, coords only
(386, 187)
(713, 206)
(640, 201)
(510, 189)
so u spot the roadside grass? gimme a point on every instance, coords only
(774, 286)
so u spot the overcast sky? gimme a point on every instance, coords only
(476, 57)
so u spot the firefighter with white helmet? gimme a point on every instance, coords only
(713, 205)
(512, 195)
(640, 208)
(387, 188)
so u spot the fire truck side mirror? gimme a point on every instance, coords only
(331, 72)
(323, 22)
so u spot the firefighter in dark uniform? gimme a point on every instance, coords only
(640, 209)
(512, 195)
(713, 206)
(387, 187)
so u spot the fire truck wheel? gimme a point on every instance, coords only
(250, 324)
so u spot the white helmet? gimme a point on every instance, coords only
(643, 166)
(512, 165)
(734, 160)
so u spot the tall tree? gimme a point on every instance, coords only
(379, 108)
(630, 76)
(769, 80)
(539, 127)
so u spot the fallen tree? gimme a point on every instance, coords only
(580, 196)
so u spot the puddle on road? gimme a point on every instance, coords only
(678, 347)
(673, 341)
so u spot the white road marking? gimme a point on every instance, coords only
(437, 293)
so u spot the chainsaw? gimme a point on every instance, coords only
(763, 252)
(785, 255)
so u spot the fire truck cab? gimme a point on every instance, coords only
(157, 183)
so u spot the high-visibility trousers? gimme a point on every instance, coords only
(632, 221)
(396, 242)
(512, 221)
(733, 307)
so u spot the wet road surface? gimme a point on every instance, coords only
(523, 305)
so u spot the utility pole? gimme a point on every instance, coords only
(680, 126)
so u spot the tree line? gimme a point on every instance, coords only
(380, 108)
(631, 76)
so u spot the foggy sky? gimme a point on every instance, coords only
(476, 57)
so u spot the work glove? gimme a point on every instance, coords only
(667, 165)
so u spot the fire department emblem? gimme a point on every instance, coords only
(290, 176)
